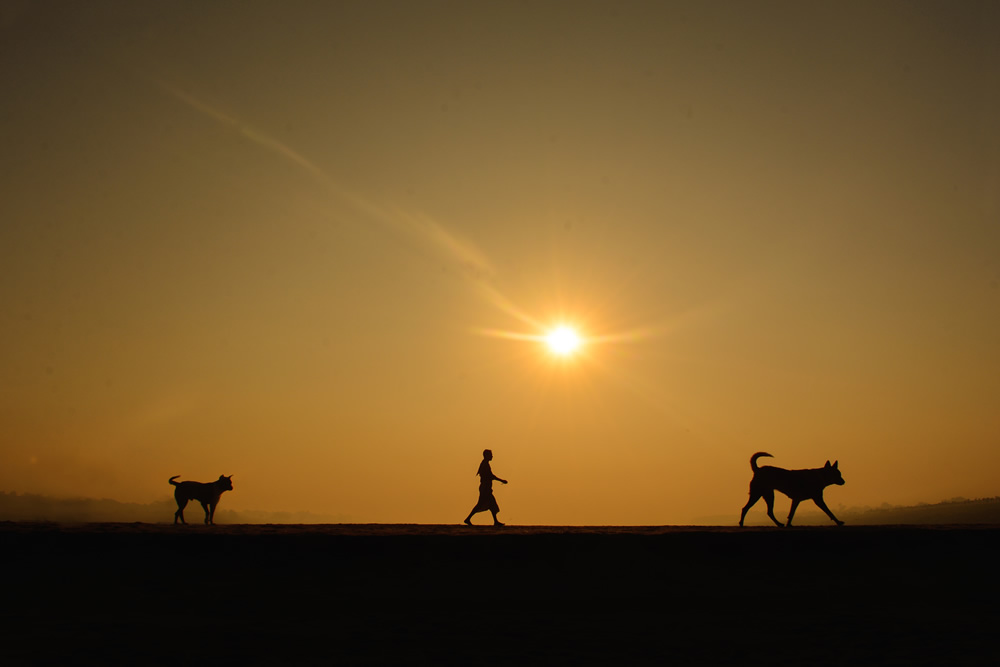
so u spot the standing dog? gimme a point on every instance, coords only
(798, 485)
(206, 493)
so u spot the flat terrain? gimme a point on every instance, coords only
(389, 594)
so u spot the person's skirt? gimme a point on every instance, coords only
(486, 501)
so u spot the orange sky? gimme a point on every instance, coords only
(277, 239)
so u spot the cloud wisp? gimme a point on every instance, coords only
(470, 261)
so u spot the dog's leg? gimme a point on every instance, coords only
(211, 513)
(791, 512)
(204, 506)
(754, 497)
(769, 499)
(822, 506)
(179, 514)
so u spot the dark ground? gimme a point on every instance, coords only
(382, 594)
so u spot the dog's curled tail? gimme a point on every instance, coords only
(171, 480)
(753, 459)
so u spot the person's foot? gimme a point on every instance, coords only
(497, 523)
(467, 522)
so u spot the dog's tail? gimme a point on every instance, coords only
(171, 480)
(753, 459)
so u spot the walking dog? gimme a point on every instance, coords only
(798, 485)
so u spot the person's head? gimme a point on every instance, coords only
(488, 454)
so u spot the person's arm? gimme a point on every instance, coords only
(492, 476)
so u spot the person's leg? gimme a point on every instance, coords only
(496, 521)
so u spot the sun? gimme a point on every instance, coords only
(563, 341)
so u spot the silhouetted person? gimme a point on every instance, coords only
(486, 499)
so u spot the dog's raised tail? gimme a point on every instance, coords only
(171, 480)
(753, 459)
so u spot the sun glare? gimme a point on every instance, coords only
(563, 341)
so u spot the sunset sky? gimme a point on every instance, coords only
(317, 246)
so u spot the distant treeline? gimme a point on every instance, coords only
(956, 510)
(32, 507)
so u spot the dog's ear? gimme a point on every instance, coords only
(223, 476)
(827, 464)
(835, 464)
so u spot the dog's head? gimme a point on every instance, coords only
(226, 483)
(832, 473)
